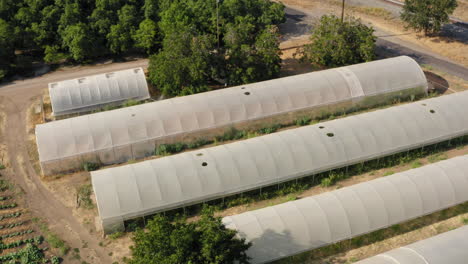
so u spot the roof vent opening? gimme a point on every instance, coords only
(199, 154)
(136, 70)
(243, 88)
(321, 127)
(330, 134)
(247, 93)
(424, 104)
(432, 111)
(204, 164)
(81, 80)
(110, 75)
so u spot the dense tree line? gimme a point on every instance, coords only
(193, 42)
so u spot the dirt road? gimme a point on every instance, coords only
(14, 101)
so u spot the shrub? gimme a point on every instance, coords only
(303, 121)
(89, 166)
(336, 43)
(204, 241)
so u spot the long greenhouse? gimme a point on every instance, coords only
(93, 92)
(132, 133)
(447, 248)
(291, 228)
(144, 188)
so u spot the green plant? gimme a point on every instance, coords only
(303, 121)
(465, 221)
(90, 166)
(2, 167)
(55, 260)
(116, 235)
(388, 173)
(427, 16)
(326, 182)
(416, 164)
(437, 157)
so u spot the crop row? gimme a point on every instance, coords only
(8, 206)
(3, 198)
(12, 225)
(12, 215)
(35, 240)
(19, 233)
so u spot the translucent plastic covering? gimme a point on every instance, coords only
(133, 132)
(294, 227)
(156, 185)
(447, 248)
(92, 92)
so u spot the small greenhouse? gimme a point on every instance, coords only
(144, 188)
(446, 248)
(132, 133)
(291, 228)
(94, 92)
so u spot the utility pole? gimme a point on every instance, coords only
(217, 21)
(342, 11)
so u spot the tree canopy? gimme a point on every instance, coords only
(227, 35)
(427, 15)
(336, 43)
(206, 241)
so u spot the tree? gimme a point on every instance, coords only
(184, 65)
(336, 43)
(7, 51)
(79, 42)
(147, 37)
(120, 36)
(207, 241)
(427, 15)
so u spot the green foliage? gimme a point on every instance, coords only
(78, 42)
(336, 43)
(7, 53)
(437, 157)
(427, 15)
(204, 241)
(184, 65)
(147, 36)
(303, 121)
(90, 166)
(116, 235)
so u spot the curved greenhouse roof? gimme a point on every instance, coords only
(151, 186)
(309, 223)
(133, 132)
(447, 248)
(93, 92)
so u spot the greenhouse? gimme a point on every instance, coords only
(133, 132)
(144, 188)
(94, 92)
(447, 248)
(288, 229)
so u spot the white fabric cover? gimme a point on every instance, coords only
(130, 133)
(302, 225)
(447, 248)
(92, 92)
(169, 182)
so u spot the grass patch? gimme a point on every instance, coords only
(51, 238)
(375, 11)
(437, 157)
(84, 196)
(388, 173)
(465, 221)
(416, 164)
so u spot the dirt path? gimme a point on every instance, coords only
(14, 101)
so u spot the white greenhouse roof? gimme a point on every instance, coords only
(91, 92)
(309, 223)
(447, 248)
(169, 182)
(184, 115)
